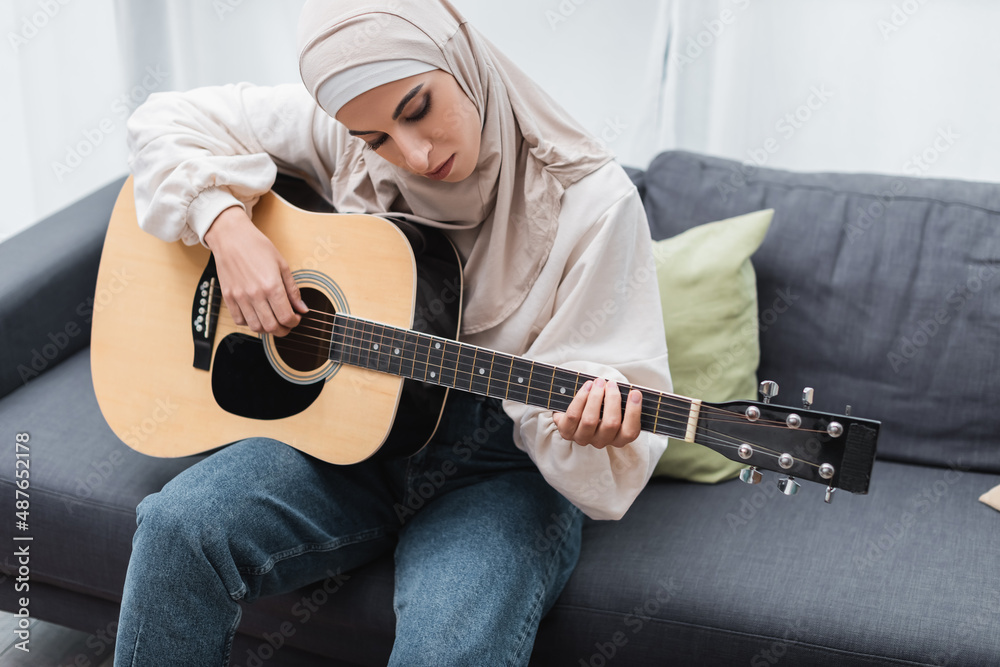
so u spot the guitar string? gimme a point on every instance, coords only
(648, 400)
(724, 415)
(651, 398)
(729, 417)
(651, 401)
(655, 410)
(715, 437)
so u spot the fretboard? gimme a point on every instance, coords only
(478, 370)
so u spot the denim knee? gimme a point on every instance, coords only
(174, 535)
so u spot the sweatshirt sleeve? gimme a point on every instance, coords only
(195, 153)
(606, 322)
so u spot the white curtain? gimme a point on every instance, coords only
(890, 86)
(602, 60)
(71, 72)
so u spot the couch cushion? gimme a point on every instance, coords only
(733, 574)
(713, 574)
(47, 287)
(708, 291)
(880, 292)
(85, 484)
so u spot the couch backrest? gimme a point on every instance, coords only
(47, 282)
(880, 292)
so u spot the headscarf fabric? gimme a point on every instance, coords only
(530, 151)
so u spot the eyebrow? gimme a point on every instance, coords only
(395, 114)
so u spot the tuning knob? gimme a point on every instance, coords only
(829, 494)
(768, 389)
(751, 475)
(807, 397)
(788, 486)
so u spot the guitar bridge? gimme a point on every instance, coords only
(205, 315)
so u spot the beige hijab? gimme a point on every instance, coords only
(531, 149)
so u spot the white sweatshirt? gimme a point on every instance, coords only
(594, 308)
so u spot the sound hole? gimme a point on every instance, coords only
(307, 346)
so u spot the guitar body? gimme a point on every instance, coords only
(171, 384)
(368, 368)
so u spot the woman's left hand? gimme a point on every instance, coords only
(584, 423)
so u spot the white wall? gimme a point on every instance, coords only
(603, 60)
(70, 77)
(905, 86)
(900, 76)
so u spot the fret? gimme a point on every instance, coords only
(410, 354)
(500, 376)
(466, 367)
(624, 390)
(347, 341)
(564, 388)
(337, 341)
(359, 343)
(420, 358)
(648, 415)
(672, 416)
(552, 387)
(449, 367)
(380, 347)
(482, 361)
(434, 356)
(351, 342)
(394, 350)
(367, 340)
(354, 343)
(333, 331)
(410, 342)
(656, 417)
(328, 333)
(520, 380)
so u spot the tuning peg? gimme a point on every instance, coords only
(829, 494)
(807, 397)
(788, 486)
(768, 389)
(751, 475)
(847, 411)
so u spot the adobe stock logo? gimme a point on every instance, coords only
(30, 25)
(121, 109)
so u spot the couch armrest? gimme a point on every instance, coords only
(47, 287)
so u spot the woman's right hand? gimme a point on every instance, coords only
(255, 279)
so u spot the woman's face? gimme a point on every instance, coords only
(425, 124)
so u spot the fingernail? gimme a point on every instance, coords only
(634, 396)
(600, 383)
(587, 385)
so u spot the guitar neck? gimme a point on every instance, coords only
(478, 370)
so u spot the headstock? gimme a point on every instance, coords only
(831, 449)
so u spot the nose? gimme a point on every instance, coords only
(416, 151)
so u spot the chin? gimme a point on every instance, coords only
(459, 172)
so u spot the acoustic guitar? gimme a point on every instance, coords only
(369, 368)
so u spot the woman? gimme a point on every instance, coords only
(405, 108)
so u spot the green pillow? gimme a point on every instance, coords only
(708, 291)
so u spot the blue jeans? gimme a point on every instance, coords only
(483, 545)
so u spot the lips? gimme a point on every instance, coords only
(441, 172)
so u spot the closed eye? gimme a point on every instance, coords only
(419, 115)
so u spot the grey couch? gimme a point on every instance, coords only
(891, 304)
